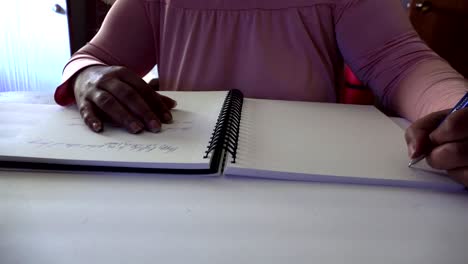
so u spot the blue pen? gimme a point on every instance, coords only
(463, 103)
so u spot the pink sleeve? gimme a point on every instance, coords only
(380, 45)
(126, 38)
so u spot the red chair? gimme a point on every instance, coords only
(354, 91)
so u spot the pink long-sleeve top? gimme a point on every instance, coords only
(276, 49)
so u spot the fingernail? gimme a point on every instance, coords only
(167, 117)
(96, 126)
(135, 127)
(154, 126)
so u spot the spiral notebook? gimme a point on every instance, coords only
(222, 133)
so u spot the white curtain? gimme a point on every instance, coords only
(34, 44)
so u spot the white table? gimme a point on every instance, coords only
(52, 218)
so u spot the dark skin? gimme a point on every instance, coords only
(445, 144)
(119, 95)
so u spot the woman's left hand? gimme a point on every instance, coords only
(444, 139)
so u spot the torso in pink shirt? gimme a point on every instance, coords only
(276, 49)
(267, 49)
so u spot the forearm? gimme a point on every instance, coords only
(388, 55)
(430, 85)
(126, 38)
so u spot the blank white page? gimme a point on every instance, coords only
(325, 142)
(58, 135)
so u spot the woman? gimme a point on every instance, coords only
(275, 49)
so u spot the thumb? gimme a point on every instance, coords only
(170, 103)
(417, 135)
(154, 83)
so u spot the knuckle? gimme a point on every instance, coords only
(451, 124)
(84, 110)
(448, 156)
(110, 85)
(149, 115)
(448, 151)
(408, 134)
(102, 99)
(88, 120)
(458, 151)
(129, 97)
(89, 93)
(105, 78)
(109, 74)
(129, 94)
(87, 116)
(434, 162)
(115, 70)
(437, 159)
(83, 90)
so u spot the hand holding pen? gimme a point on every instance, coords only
(442, 138)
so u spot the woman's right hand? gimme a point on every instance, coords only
(118, 94)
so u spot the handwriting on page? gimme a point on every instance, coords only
(176, 125)
(109, 146)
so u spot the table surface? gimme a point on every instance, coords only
(27, 97)
(48, 218)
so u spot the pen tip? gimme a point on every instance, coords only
(415, 161)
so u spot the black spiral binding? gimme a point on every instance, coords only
(225, 135)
